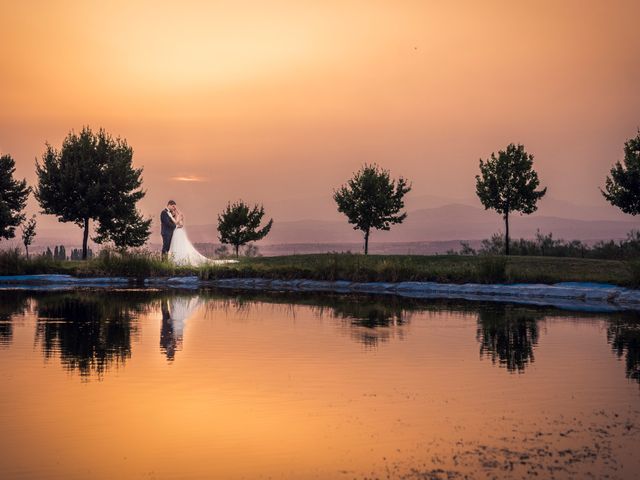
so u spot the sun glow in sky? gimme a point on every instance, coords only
(275, 101)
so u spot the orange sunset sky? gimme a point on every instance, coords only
(280, 101)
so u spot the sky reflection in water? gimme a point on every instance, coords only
(186, 385)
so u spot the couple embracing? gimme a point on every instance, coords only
(175, 243)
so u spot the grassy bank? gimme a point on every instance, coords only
(437, 268)
(387, 268)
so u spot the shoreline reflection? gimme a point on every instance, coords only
(293, 378)
(92, 330)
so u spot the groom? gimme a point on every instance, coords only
(168, 225)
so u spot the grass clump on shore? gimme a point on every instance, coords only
(344, 266)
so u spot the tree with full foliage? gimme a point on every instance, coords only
(13, 198)
(28, 233)
(372, 200)
(622, 188)
(92, 178)
(239, 224)
(508, 183)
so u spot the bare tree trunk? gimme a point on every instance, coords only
(506, 235)
(237, 250)
(366, 242)
(26, 247)
(85, 239)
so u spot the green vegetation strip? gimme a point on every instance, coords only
(350, 267)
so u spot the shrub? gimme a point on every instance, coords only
(252, 250)
(222, 251)
(544, 245)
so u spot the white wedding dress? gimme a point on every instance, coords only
(182, 251)
(175, 314)
(181, 310)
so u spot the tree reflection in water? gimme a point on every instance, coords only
(11, 304)
(508, 335)
(370, 320)
(624, 336)
(90, 331)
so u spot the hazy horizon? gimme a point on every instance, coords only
(281, 103)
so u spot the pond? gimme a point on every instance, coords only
(159, 384)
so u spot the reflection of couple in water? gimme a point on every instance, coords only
(175, 313)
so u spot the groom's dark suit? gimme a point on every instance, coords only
(166, 230)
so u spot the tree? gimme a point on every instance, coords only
(239, 224)
(92, 178)
(13, 198)
(372, 200)
(622, 188)
(507, 183)
(28, 233)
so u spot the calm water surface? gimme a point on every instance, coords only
(150, 384)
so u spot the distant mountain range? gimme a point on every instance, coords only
(445, 223)
(433, 229)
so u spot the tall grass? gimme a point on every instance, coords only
(12, 262)
(338, 266)
(492, 269)
(349, 267)
(138, 264)
(634, 272)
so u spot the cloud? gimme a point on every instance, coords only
(189, 178)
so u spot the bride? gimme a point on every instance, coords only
(182, 250)
(175, 313)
